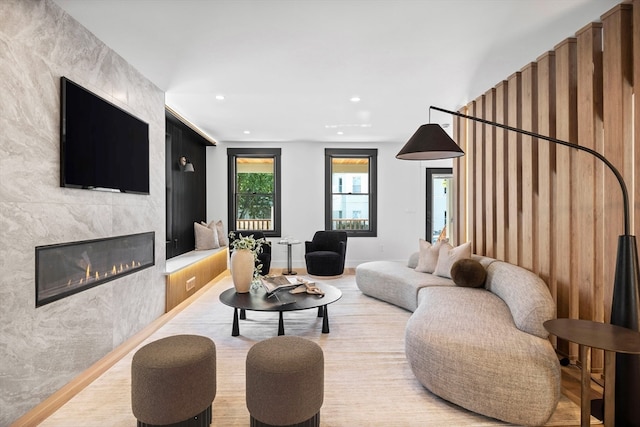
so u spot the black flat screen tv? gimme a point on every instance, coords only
(102, 147)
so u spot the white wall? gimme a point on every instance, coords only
(42, 349)
(401, 199)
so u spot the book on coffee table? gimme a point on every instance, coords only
(275, 283)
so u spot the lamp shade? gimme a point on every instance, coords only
(430, 142)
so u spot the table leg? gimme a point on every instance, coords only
(235, 329)
(243, 314)
(585, 386)
(321, 311)
(325, 321)
(289, 263)
(280, 323)
(609, 389)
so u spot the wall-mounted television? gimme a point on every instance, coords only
(102, 147)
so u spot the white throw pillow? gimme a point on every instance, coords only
(428, 258)
(222, 236)
(449, 255)
(205, 239)
(216, 236)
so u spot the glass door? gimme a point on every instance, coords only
(439, 218)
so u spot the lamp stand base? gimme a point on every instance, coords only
(625, 312)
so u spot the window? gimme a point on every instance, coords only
(350, 191)
(254, 189)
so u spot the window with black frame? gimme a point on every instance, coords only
(254, 189)
(350, 191)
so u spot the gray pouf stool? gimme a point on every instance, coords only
(285, 382)
(173, 382)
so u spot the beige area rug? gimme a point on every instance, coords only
(368, 381)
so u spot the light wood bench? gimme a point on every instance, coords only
(189, 272)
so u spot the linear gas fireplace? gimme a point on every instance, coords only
(68, 268)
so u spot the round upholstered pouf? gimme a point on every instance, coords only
(173, 381)
(285, 382)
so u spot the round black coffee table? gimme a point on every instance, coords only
(258, 300)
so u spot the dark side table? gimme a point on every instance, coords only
(610, 338)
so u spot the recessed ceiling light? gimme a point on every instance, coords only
(340, 132)
(220, 97)
(354, 99)
(247, 132)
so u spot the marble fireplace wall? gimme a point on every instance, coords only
(42, 349)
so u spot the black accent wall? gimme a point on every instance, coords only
(186, 191)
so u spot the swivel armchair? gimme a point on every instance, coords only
(325, 253)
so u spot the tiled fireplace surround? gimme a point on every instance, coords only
(43, 348)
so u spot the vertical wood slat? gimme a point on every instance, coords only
(588, 174)
(490, 181)
(514, 171)
(636, 137)
(460, 174)
(502, 195)
(529, 121)
(566, 111)
(480, 197)
(546, 168)
(617, 116)
(471, 176)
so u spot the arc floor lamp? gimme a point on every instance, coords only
(431, 142)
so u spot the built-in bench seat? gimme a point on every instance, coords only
(189, 272)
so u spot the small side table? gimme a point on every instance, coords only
(289, 243)
(610, 338)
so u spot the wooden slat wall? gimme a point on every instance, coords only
(551, 209)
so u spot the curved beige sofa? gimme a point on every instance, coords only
(484, 349)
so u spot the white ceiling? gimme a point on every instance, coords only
(288, 68)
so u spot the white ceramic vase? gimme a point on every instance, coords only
(242, 267)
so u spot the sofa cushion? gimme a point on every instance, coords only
(468, 273)
(526, 295)
(428, 258)
(395, 283)
(222, 237)
(413, 260)
(206, 238)
(449, 255)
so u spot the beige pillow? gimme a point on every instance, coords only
(449, 255)
(428, 258)
(222, 237)
(211, 226)
(205, 238)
